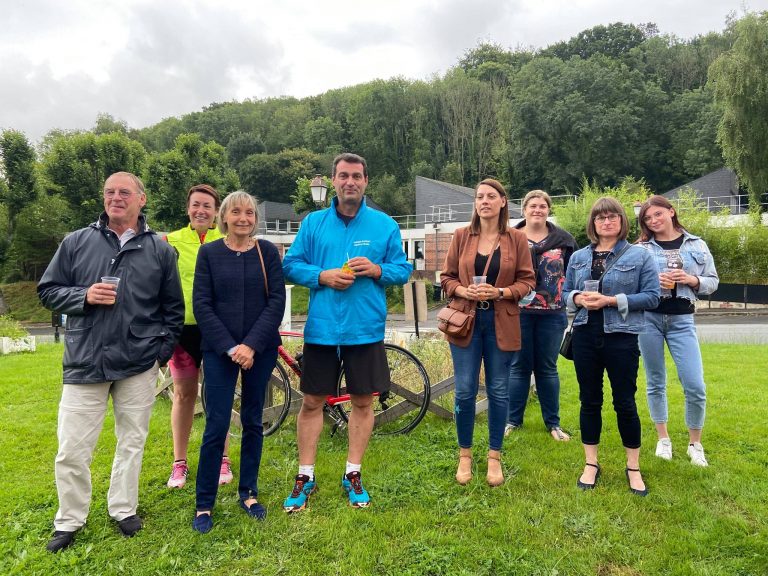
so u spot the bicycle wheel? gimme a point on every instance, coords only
(402, 408)
(276, 404)
(277, 401)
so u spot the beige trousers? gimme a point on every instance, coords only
(81, 417)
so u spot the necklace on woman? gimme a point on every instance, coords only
(237, 249)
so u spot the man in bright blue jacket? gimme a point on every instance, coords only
(347, 255)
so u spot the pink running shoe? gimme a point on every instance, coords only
(225, 472)
(178, 475)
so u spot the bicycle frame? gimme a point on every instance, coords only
(294, 365)
(409, 391)
(331, 402)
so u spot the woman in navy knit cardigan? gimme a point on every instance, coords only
(238, 311)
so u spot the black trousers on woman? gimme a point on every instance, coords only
(617, 354)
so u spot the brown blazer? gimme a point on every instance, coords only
(515, 274)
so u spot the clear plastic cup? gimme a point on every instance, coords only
(114, 280)
(666, 286)
(478, 279)
(591, 286)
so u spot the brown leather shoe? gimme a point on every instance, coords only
(495, 475)
(464, 471)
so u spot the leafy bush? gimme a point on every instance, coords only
(10, 328)
(739, 248)
(572, 214)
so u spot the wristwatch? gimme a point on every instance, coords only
(501, 294)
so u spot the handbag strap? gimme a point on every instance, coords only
(612, 262)
(263, 268)
(490, 255)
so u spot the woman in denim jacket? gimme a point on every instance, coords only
(690, 271)
(605, 332)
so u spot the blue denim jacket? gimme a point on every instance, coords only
(633, 280)
(697, 261)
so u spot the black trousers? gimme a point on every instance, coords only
(617, 354)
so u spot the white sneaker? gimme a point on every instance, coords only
(509, 428)
(664, 449)
(696, 452)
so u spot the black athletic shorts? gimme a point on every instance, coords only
(190, 340)
(365, 369)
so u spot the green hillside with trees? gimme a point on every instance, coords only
(612, 102)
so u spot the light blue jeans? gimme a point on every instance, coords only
(466, 366)
(679, 332)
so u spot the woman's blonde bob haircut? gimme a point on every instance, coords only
(474, 224)
(602, 206)
(238, 198)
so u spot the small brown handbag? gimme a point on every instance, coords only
(456, 322)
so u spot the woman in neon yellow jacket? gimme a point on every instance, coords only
(202, 205)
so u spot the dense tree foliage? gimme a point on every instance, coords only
(273, 176)
(612, 102)
(740, 79)
(17, 163)
(169, 175)
(76, 165)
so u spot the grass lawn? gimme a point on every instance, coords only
(711, 521)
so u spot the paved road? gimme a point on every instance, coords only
(731, 326)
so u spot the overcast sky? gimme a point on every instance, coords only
(63, 62)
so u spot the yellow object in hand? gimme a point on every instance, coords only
(346, 268)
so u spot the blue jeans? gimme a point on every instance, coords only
(220, 379)
(679, 332)
(466, 366)
(541, 337)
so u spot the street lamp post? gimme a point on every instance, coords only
(636, 207)
(319, 189)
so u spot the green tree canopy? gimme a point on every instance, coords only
(242, 146)
(273, 176)
(171, 174)
(17, 165)
(740, 81)
(76, 165)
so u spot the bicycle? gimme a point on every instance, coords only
(276, 405)
(397, 411)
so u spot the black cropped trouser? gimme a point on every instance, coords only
(617, 354)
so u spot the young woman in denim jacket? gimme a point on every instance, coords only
(690, 272)
(605, 332)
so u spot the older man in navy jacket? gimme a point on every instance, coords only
(117, 336)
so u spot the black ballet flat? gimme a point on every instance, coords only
(584, 485)
(643, 492)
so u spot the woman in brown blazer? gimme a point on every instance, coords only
(495, 337)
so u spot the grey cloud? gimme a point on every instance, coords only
(185, 59)
(175, 61)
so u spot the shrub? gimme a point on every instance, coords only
(739, 249)
(10, 328)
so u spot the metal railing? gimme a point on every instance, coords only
(736, 204)
(463, 212)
